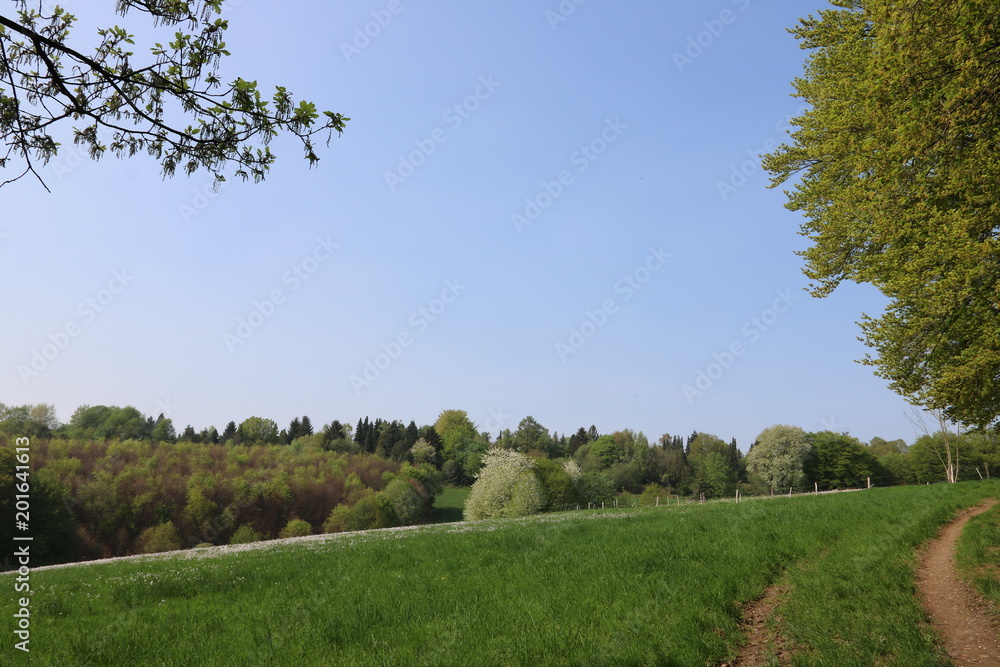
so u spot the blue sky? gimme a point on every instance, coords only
(490, 234)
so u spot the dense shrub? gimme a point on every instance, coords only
(407, 504)
(595, 488)
(652, 494)
(560, 489)
(296, 528)
(159, 538)
(507, 486)
(244, 535)
(337, 522)
(363, 515)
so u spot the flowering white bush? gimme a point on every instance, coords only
(573, 470)
(506, 486)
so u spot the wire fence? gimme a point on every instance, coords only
(629, 500)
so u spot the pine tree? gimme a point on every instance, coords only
(576, 441)
(359, 433)
(412, 434)
(294, 431)
(229, 433)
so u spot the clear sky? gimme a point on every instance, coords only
(537, 208)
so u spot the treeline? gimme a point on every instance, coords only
(94, 499)
(782, 458)
(699, 464)
(112, 481)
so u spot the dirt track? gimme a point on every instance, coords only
(763, 644)
(970, 635)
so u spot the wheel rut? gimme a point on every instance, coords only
(970, 634)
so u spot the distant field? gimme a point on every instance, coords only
(657, 586)
(449, 504)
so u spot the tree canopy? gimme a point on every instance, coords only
(170, 104)
(899, 173)
(778, 457)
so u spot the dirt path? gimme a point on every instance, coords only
(970, 636)
(763, 644)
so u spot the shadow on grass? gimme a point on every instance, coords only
(449, 505)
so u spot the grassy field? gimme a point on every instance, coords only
(978, 555)
(449, 504)
(655, 586)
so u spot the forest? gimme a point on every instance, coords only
(112, 481)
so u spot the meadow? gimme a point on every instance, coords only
(638, 586)
(978, 554)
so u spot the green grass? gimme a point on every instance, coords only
(449, 504)
(656, 586)
(978, 555)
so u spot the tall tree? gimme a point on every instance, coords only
(777, 459)
(531, 435)
(228, 433)
(839, 461)
(163, 430)
(412, 434)
(899, 175)
(457, 433)
(294, 430)
(169, 104)
(576, 441)
(257, 431)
